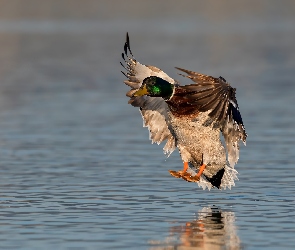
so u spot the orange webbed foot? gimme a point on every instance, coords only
(192, 178)
(181, 173)
(186, 176)
(176, 174)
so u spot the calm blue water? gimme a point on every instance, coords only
(77, 168)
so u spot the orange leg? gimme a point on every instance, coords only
(186, 176)
(185, 166)
(196, 178)
(201, 171)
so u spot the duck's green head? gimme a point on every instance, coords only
(156, 87)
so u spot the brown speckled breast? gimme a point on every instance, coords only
(198, 142)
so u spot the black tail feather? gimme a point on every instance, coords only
(215, 180)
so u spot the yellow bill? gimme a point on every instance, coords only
(142, 91)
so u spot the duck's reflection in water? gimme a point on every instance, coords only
(212, 229)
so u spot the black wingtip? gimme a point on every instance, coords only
(124, 74)
(125, 48)
(222, 79)
(123, 66)
(127, 39)
(127, 45)
(178, 69)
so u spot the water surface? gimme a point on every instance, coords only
(77, 169)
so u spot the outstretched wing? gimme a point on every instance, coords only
(153, 109)
(216, 95)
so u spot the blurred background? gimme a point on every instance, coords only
(77, 169)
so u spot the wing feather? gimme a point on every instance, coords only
(216, 95)
(153, 109)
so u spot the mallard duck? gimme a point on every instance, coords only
(190, 118)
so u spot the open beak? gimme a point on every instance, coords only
(142, 91)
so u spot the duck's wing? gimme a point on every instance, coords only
(152, 109)
(215, 94)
